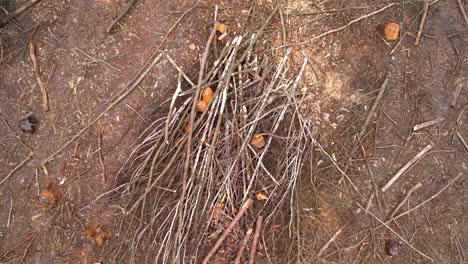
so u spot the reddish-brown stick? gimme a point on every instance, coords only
(258, 229)
(247, 204)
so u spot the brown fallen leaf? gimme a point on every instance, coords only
(98, 233)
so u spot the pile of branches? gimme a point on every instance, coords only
(197, 170)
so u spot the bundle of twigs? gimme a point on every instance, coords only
(192, 169)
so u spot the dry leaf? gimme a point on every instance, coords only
(51, 194)
(221, 28)
(48, 196)
(215, 233)
(392, 31)
(260, 196)
(216, 213)
(258, 142)
(98, 233)
(187, 128)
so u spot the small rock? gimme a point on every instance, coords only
(28, 124)
(392, 248)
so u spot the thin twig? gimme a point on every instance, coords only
(180, 70)
(243, 244)
(462, 10)
(9, 213)
(101, 158)
(324, 247)
(423, 21)
(17, 167)
(130, 88)
(247, 204)
(253, 249)
(18, 11)
(396, 233)
(428, 123)
(16, 136)
(347, 25)
(456, 94)
(97, 59)
(124, 12)
(462, 140)
(406, 167)
(191, 124)
(283, 28)
(37, 74)
(398, 207)
(8, 251)
(363, 130)
(430, 198)
(28, 247)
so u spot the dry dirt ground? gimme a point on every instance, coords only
(47, 214)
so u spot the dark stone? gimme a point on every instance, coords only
(392, 248)
(28, 124)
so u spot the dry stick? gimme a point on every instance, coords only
(462, 140)
(423, 21)
(349, 24)
(101, 158)
(130, 86)
(396, 233)
(333, 238)
(406, 167)
(125, 11)
(344, 175)
(374, 184)
(242, 246)
(456, 94)
(19, 11)
(258, 229)
(179, 69)
(37, 74)
(398, 207)
(27, 248)
(371, 112)
(361, 134)
(97, 59)
(247, 204)
(429, 199)
(404, 34)
(14, 134)
(8, 251)
(462, 10)
(171, 108)
(17, 167)
(192, 120)
(10, 212)
(283, 28)
(428, 123)
(324, 247)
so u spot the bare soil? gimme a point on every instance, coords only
(48, 213)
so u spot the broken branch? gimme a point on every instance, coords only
(247, 204)
(37, 74)
(406, 167)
